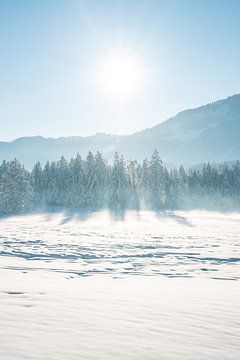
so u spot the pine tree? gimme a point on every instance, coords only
(37, 184)
(118, 184)
(157, 182)
(78, 182)
(16, 194)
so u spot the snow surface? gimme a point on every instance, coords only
(130, 286)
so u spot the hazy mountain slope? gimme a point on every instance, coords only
(210, 132)
(31, 149)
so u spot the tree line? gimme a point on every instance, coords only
(94, 183)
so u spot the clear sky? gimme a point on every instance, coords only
(52, 50)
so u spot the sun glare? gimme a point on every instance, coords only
(121, 75)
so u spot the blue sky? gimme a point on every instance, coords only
(50, 48)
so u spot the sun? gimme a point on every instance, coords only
(121, 74)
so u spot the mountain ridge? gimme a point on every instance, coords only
(209, 132)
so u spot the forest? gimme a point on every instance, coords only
(94, 183)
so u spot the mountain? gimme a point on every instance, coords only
(29, 150)
(206, 133)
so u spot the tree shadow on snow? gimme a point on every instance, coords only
(78, 214)
(171, 215)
